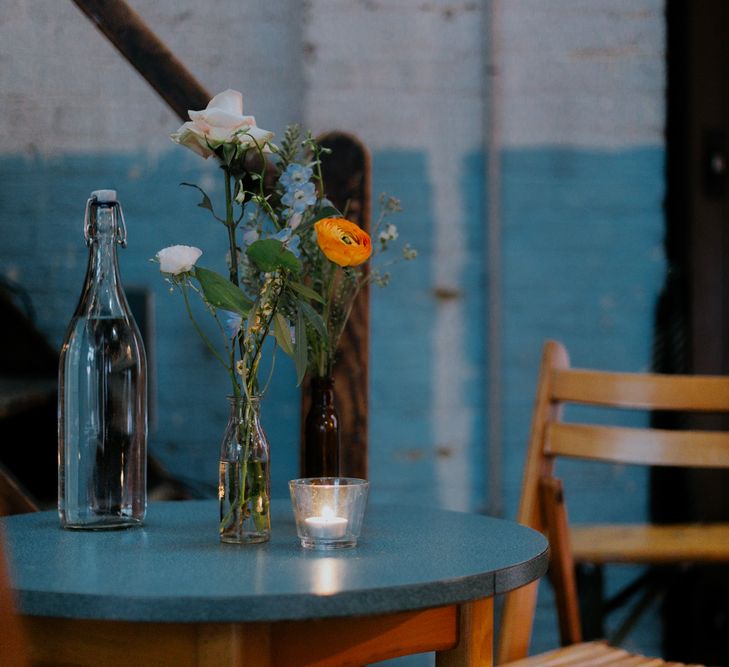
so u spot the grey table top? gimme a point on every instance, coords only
(175, 569)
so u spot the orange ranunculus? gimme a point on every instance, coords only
(342, 241)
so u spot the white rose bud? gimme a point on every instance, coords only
(221, 122)
(178, 259)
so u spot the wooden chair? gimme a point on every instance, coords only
(542, 504)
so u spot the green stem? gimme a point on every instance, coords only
(233, 246)
(261, 338)
(361, 281)
(230, 349)
(317, 161)
(201, 333)
(251, 500)
(230, 224)
(325, 361)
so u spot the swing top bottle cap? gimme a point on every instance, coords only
(104, 196)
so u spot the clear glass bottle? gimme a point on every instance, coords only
(244, 486)
(102, 393)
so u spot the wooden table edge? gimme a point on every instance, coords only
(460, 634)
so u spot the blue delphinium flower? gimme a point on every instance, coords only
(295, 174)
(251, 236)
(289, 240)
(293, 245)
(255, 214)
(231, 323)
(251, 211)
(298, 197)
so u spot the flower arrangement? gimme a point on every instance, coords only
(339, 280)
(294, 263)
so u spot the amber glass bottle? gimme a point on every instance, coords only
(320, 457)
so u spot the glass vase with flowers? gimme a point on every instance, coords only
(267, 208)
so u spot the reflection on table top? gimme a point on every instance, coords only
(175, 569)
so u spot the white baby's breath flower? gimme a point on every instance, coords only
(388, 234)
(178, 259)
(408, 252)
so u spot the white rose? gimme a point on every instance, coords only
(178, 259)
(221, 122)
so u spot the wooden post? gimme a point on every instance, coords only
(347, 173)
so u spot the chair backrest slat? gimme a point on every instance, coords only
(649, 391)
(642, 446)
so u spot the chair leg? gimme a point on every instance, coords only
(647, 588)
(654, 591)
(590, 587)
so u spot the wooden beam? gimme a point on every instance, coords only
(125, 29)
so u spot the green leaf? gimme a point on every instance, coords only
(315, 319)
(270, 254)
(282, 334)
(301, 348)
(205, 203)
(306, 291)
(222, 293)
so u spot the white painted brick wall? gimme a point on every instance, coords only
(403, 74)
(577, 73)
(63, 87)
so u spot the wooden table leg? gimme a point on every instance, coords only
(476, 637)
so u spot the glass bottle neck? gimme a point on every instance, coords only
(322, 390)
(103, 296)
(241, 407)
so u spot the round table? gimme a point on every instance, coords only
(419, 579)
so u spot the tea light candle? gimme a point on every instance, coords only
(327, 526)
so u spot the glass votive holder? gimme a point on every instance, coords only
(328, 510)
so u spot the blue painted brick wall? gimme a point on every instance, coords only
(583, 263)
